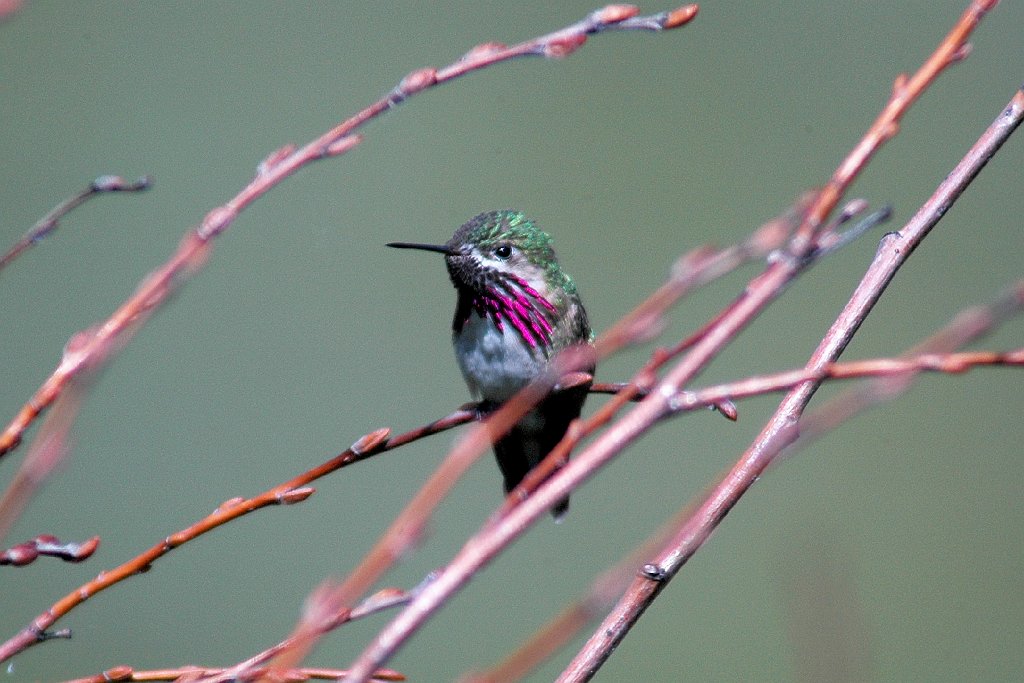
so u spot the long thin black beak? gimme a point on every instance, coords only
(440, 248)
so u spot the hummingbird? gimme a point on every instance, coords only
(515, 310)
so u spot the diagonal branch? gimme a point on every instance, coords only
(905, 91)
(187, 674)
(51, 221)
(295, 490)
(781, 430)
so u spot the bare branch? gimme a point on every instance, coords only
(294, 490)
(190, 674)
(780, 431)
(905, 91)
(49, 223)
(967, 326)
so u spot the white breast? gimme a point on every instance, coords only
(495, 364)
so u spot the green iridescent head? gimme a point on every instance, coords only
(489, 231)
(504, 240)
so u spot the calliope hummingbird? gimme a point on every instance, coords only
(516, 309)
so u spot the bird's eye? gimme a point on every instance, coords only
(503, 251)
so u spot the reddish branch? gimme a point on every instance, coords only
(905, 91)
(949, 363)
(966, 327)
(294, 490)
(49, 223)
(781, 429)
(320, 616)
(188, 674)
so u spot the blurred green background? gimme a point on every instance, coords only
(889, 551)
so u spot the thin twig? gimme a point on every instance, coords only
(321, 615)
(49, 223)
(759, 385)
(779, 432)
(905, 91)
(967, 326)
(294, 490)
(189, 674)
